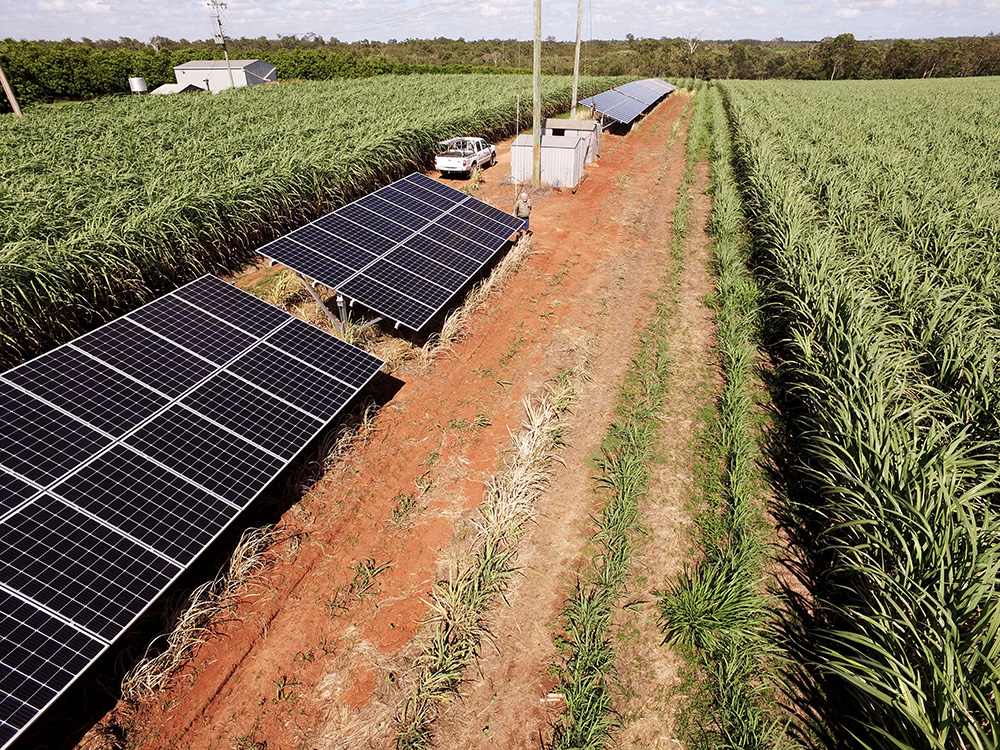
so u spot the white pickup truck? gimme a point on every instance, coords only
(464, 154)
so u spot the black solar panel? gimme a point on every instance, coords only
(95, 577)
(255, 414)
(168, 367)
(641, 92)
(39, 656)
(13, 492)
(388, 300)
(124, 453)
(148, 502)
(198, 331)
(198, 448)
(409, 247)
(88, 389)
(293, 381)
(327, 353)
(38, 441)
(215, 296)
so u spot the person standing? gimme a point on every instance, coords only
(522, 210)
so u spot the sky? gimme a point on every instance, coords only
(382, 20)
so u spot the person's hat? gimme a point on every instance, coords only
(524, 195)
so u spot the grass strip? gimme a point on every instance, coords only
(459, 605)
(717, 610)
(587, 673)
(204, 610)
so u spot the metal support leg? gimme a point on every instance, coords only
(310, 287)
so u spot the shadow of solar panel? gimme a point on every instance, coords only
(307, 261)
(293, 381)
(147, 502)
(215, 296)
(88, 389)
(159, 363)
(254, 414)
(201, 333)
(87, 572)
(38, 441)
(199, 449)
(39, 657)
(388, 301)
(13, 492)
(352, 232)
(346, 253)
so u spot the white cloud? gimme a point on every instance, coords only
(401, 19)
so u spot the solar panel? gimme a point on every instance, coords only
(626, 102)
(13, 492)
(403, 251)
(638, 90)
(39, 656)
(125, 452)
(626, 111)
(92, 575)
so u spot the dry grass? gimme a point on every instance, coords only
(205, 608)
(458, 606)
(457, 324)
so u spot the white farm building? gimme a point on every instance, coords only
(213, 75)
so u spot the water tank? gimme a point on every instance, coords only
(137, 84)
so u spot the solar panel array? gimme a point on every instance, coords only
(403, 251)
(625, 103)
(125, 452)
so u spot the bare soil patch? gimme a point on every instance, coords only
(314, 655)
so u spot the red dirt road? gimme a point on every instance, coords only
(294, 669)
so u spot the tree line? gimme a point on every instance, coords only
(45, 71)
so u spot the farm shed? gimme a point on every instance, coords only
(563, 158)
(213, 75)
(587, 129)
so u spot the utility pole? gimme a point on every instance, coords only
(10, 93)
(220, 38)
(576, 59)
(536, 175)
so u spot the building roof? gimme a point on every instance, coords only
(218, 64)
(527, 140)
(553, 123)
(176, 88)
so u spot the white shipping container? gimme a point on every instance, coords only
(562, 156)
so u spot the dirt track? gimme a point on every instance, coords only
(295, 670)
